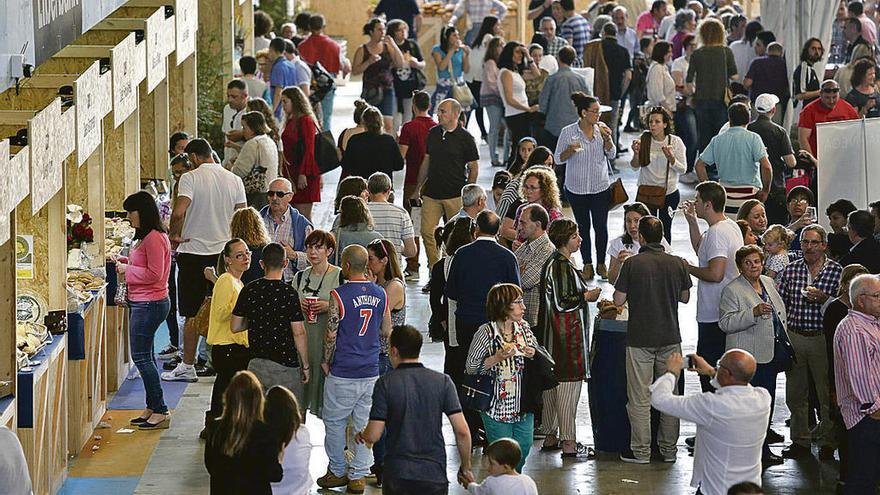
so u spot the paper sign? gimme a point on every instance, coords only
(46, 173)
(123, 63)
(156, 56)
(24, 256)
(187, 21)
(87, 93)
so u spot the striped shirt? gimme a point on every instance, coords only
(530, 257)
(857, 366)
(805, 315)
(477, 10)
(576, 30)
(586, 172)
(393, 222)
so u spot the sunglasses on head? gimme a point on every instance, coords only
(831, 90)
(380, 243)
(280, 194)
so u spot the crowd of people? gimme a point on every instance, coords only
(294, 317)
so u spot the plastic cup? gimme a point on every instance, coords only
(311, 315)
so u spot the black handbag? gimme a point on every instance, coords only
(476, 392)
(325, 151)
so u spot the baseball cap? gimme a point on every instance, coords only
(766, 102)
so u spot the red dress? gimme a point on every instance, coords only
(299, 158)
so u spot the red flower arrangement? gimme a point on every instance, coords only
(80, 232)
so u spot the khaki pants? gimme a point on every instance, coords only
(432, 211)
(811, 357)
(643, 366)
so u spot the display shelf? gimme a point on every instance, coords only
(87, 378)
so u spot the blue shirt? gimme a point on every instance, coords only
(362, 307)
(556, 101)
(457, 64)
(283, 74)
(736, 152)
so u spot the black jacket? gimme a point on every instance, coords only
(865, 253)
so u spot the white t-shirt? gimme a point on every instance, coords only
(720, 241)
(231, 121)
(296, 480)
(14, 477)
(616, 246)
(506, 484)
(549, 63)
(214, 192)
(518, 91)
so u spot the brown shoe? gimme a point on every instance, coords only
(588, 271)
(356, 486)
(330, 480)
(602, 271)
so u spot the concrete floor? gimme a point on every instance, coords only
(177, 463)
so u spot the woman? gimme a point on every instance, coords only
(263, 24)
(490, 99)
(524, 148)
(535, 83)
(452, 59)
(242, 452)
(406, 77)
(284, 417)
(298, 138)
(229, 351)
(353, 185)
(863, 95)
(744, 49)
(177, 144)
(500, 349)
(376, 60)
(753, 316)
(248, 225)
(586, 146)
(342, 142)
(661, 86)
(355, 225)
(753, 212)
(518, 114)
(564, 319)
(538, 187)
(455, 234)
(621, 248)
(659, 156)
(372, 150)
(749, 237)
(511, 199)
(490, 28)
(255, 104)
(708, 84)
(685, 118)
(257, 163)
(146, 275)
(313, 286)
(685, 24)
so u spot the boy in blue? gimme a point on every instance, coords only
(359, 315)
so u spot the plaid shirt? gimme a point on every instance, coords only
(804, 315)
(554, 45)
(576, 30)
(477, 10)
(530, 257)
(283, 233)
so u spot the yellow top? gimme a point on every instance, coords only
(223, 301)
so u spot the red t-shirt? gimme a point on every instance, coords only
(415, 134)
(321, 48)
(817, 113)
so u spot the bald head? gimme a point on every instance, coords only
(740, 365)
(281, 184)
(354, 261)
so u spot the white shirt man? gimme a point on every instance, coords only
(236, 106)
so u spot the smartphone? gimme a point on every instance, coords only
(690, 362)
(811, 213)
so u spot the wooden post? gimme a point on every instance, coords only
(247, 25)
(182, 97)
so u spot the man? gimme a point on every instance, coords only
(555, 99)
(553, 42)
(805, 285)
(779, 154)
(406, 10)
(412, 142)
(477, 10)
(538, 11)
(768, 74)
(716, 252)
(282, 74)
(737, 30)
(236, 106)
(473, 201)
(451, 160)
(626, 36)
(255, 86)
(830, 107)
(648, 22)
(856, 9)
(574, 29)
(731, 423)
(207, 197)
(359, 318)
(390, 220)
(269, 310)
(408, 405)
(303, 71)
(321, 48)
(740, 158)
(286, 226)
(856, 368)
(619, 63)
(875, 212)
(654, 283)
(804, 81)
(838, 213)
(857, 46)
(531, 256)
(865, 250)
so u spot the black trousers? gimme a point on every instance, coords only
(228, 360)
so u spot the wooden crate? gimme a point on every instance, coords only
(118, 352)
(87, 378)
(42, 418)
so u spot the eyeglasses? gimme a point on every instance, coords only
(875, 295)
(280, 194)
(831, 90)
(245, 254)
(532, 188)
(519, 302)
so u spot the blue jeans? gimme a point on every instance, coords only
(472, 33)
(591, 210)
(379, 447)
(496, 127)
(144, 320)
(347, 398)
(327, 108)
(863, 474)
(686, 129)
(523, 431)
(711, 342)
(711, 115)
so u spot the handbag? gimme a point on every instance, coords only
(728, 94)
(618, 195)
(121, 297)
(255, 180)
(654, 197)
(462, 93)
(201, 320)
(325, 151)
(476, 392)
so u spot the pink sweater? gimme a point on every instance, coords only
(149, 265)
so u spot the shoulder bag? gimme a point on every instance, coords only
(255, 180)
(618, 195)
(654, 197)
(325, 151)
(462, 93)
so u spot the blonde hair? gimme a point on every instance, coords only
(712, 32)
(301, 104)
(242, 408)
(780, 233)
(247, 225)
(547, 183)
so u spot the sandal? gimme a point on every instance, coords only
(582, 452)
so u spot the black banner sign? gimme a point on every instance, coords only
(57, 23)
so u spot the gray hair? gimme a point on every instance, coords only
(815, 227)
(598, 24)
(471, 194)
(859, 285)
(682, 17)
(619, 8)
(548, 19)
(379, 183)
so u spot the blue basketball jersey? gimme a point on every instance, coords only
(362, 308)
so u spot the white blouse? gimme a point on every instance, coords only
(661, 87)
(655, 172)
(262, 151)
(518, 93)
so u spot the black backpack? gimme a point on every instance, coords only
(322, 83)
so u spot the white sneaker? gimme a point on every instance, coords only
(689, 178)
(168, 352)
(182, 373)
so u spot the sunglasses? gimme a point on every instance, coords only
(379, 243)
(280, 194)
(831, 90)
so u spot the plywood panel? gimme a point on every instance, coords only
(46, 174)
(186, 13)
(140, 62)
(105, 81)
(101, 37)
(123, 58)
(20, 170)
(87, 379)
(38, 226)
(89, 98)
(169, 35)
(7, 305)
(65, 134)
(5, 208)
(114, 165)
(118, 356)
(147, 133)
(156, 56)
(65, 65)
(182, 97)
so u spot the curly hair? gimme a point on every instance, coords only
(712, 32)
(547, 183)
(779, 232)
(260, 105)
(301, 104)
(247, 225)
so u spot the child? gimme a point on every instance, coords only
(284, 418)
(499, 183)
(776, 242)
(749, 237)
(504, 454)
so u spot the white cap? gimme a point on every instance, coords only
(766, 102)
